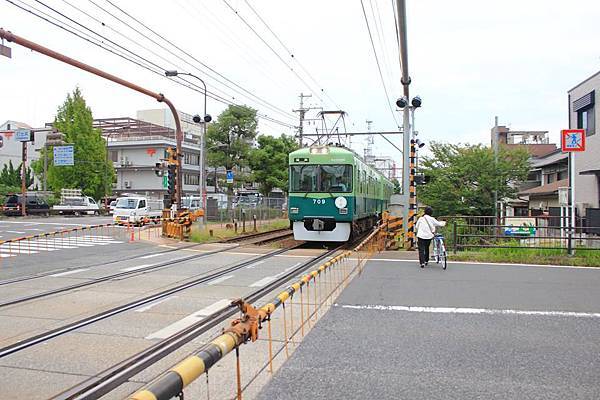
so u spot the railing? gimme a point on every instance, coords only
(300, 305)
(546, 235)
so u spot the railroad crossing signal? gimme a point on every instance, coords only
(55, 138)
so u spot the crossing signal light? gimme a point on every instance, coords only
(422, 179)
(55, 138)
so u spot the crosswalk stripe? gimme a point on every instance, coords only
(75, 271)
(53, 243)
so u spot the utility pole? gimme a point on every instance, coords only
(23, 180)
(407, 198)
(496, 144)
(302, 112)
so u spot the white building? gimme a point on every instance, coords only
(12, 150)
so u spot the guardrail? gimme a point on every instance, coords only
(316, 290)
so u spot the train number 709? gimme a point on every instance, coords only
(318, 201)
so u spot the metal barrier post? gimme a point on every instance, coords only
(254, 222)
(243, 221)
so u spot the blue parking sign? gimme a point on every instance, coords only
(229, 176)
(63, 156)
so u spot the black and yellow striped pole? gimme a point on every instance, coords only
(412, 198)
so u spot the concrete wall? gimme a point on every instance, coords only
(586, 186)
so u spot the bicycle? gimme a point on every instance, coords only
(439, 250)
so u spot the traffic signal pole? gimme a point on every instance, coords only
(409, 200)
(10, 37)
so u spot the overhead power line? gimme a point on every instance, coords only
(246, 92)
(291, 54)
(158, 71)
(272, 50)
(387, 96)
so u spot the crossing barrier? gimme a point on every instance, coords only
(317, 291)
(393, 227)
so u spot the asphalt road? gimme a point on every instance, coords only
(471, 332)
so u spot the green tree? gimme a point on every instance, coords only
(92, 172)
(269, 162)
(230, 139)
(463, 178)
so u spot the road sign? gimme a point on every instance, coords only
(63, 156)
(229, 176)
(23, 135)
(165, 181)
(572, 140)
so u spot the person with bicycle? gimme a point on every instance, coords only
(425, 228)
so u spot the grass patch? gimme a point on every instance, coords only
(583, 257)
(202, 235)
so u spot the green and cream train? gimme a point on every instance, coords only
(334, 194)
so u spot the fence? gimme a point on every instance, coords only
(263, 210)
(287, 318)
(548, 233)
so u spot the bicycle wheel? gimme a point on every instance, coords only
(444, 259)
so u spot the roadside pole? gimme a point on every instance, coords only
(24, 180)
(572, 140)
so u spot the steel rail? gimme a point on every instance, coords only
(107, 278)
(34, 340)
(109, 379)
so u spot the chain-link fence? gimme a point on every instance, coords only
(248, 211)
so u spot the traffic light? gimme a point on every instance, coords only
(159, 169)
(171, 187)
(172, 163)
(421, 179)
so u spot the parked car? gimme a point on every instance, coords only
(137, 209)
(77, 205)
(111, 207)
(33, 205)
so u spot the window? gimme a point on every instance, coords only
(189, 179)
(321, 178)
(550, 178)
(126, 203)
(114, 155)
(586, 120)
(564, 174)
(191, 159)
(142, 204)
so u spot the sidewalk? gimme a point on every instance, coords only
(470, 332)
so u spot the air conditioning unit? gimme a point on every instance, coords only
(127, 184)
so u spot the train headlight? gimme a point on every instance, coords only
(294, 210)
(319, 150)
(341, 202)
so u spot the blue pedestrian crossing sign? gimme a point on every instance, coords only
(63, 156)
(229, 176)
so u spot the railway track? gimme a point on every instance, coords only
(43, 337)
(260, 237)
(109, 379)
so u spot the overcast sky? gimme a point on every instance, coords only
(469, 60)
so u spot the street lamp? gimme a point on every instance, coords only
(197, 119)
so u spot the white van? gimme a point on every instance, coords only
(136, 209)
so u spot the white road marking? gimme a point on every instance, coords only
(2, 255)
(34, 229)
(189, 320)
(151, 305)
(464, 310)
(15, 232)
(152, 255)
(13, 250)
(136, 267)
(219, 280)
(265, 281)
(255, 264)
(75, 271)
(40, 223)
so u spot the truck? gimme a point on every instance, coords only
(137, 210)
(72, 201)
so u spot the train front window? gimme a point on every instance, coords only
(321, 178)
